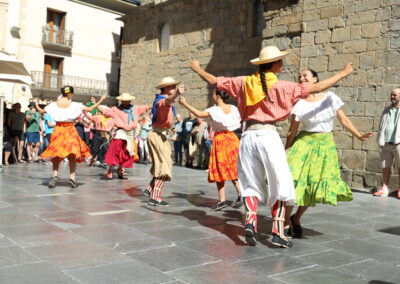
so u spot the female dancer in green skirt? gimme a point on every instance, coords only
(312, 154)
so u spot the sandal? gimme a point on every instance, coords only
(21, 161)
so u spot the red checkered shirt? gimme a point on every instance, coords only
(284, 95)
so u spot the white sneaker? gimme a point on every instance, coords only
(381, 192)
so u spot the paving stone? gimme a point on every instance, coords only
(35, 273)
(124, 272)
(171, 258)
(220, 273)
(11, 256)
(331, 258)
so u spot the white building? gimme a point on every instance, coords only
(64, 42)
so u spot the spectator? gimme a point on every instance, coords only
(49, 124)
(143, 134)
(187, 126)
(16, 123)
(32, 117)
(7, 145)
(389, 142)
(178, 140)
(199, 134)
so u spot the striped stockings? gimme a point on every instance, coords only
(250, 204)
(156, 188)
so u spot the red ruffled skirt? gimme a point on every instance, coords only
(223, 157)
(65, 141)
(117, 154)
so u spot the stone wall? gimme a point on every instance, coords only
(321, 34)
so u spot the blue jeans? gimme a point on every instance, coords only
(178, 145)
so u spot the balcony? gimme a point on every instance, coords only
(61, 40)
(82, 86)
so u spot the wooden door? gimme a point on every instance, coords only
(56, 26)
(52, 77)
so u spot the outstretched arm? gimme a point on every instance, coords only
(42, 111)
(327, 83)
(171, 99)
(195, 65)
(346, 122)
(87, 108)
(292, 132)
(193, 110)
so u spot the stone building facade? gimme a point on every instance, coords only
(161, 37)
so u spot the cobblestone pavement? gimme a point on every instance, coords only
(106, 233)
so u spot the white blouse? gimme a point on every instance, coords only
(221, 121)
(318, 116)
(68, 114)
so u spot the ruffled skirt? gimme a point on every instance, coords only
(314, 165)
(223, 157)
(65, 141)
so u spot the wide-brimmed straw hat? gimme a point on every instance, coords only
(125, 97)
(269, 54)
(167, 81)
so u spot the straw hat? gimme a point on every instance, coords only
(125, 97)
(269, 54)
(167, 81)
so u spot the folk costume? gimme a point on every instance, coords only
(121, 150)
(159, 146)
(261, 154)
(225, 145)
(65, 139)
(101, 138)
(313, 158)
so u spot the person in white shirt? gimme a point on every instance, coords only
(312, 154)
(224, 118)
(65, 141)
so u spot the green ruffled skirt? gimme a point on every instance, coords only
(314, 164)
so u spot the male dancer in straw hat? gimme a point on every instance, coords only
(262, 101)
(159, 147)
(121, 150)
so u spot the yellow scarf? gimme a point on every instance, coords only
(253, 87)
(103, 121)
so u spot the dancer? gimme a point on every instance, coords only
(262, 101)
(222, 167)
(65, 141)
(101, 138)
(312, 157)
(121, 150)
(159, 146)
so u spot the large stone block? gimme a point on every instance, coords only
(392, 76)
(310, 51)
(337, 62)
(373, 162)
(362, 18)
(355, 32)
(310, 15)
(375, 77)
(336, 22)
(316, 25)
(367, 60)
(353, 159)
(346, 175)
(322, 37)
(364, 5)
(323, 3)
(363, 123)
(354, 108)
(371, 30)
(374, 109)
(383, 93)
(354, 46)
(367, 94)
(343, 139)
(341, 34)
(395, 42)
(318, 64)
(347, 94)
(394, 25)
(307, 39)
(331, 12)
(309, 5)
(390, 58)
(383, 14)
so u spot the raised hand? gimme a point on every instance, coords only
(195, 64)
(181, 89)
(103, 98)
(182, 100)
(348, 68)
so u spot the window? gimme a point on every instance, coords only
(52, 76)
(257, 18)
(55, 24)
(164, 43)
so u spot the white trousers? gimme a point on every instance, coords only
(262, 158)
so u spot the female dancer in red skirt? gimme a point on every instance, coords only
(225, 146)
(65, 141)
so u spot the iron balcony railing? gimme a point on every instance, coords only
(56, 37)
(81, 85)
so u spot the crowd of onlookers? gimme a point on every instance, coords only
(27, 134)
